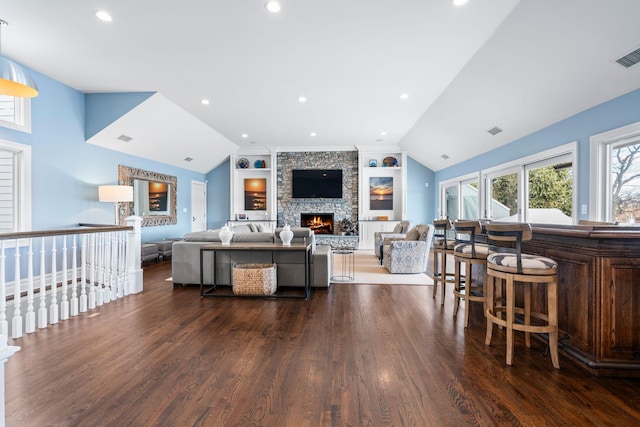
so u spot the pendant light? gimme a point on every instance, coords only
(14, 80)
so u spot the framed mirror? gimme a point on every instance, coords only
(155, 196)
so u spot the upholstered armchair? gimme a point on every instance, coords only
(409, 254)
(400, 230)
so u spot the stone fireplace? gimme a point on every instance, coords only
(320, 223)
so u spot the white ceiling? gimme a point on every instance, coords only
(519, 65)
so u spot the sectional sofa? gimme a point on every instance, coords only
(185, 261)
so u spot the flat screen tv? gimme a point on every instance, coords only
(317, 183)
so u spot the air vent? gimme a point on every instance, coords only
(187, 159)
(494, 130)
(125, 138)
(630, 59)
(444, 156)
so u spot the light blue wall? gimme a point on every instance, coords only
(102, 109)
(218, 196)
(66, 171)
(580, 127)
(419, 196)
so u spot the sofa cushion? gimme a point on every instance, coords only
(242, 228)
(203, 236)
(252, 237)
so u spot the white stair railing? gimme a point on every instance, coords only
(105, 267)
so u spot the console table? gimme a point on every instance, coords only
(269, 248)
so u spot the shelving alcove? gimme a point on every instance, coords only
(382, 191)
(253, 185)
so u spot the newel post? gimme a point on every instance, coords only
(134, 246)
(6, 351)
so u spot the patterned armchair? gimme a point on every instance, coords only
(400, 230)
(410, 254)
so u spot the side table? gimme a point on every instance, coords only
(347, 266)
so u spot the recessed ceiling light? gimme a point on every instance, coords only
(404, 96)
(273, 6)
(459, 2)
(302, 99)
(313, 134)
(252, 142)
(187, 159)
(205, 102)
(103, 15)
(383, 133)
(244, 135)
(444, 156)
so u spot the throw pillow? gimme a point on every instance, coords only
(412, 234)
(264, 228)
(244, 228)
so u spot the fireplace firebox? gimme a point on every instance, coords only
(320, 223)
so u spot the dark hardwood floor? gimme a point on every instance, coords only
(355, 355)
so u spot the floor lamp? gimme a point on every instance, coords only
(115, 194)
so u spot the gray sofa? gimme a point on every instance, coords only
(185, 261)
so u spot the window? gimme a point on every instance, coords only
(538, 189)
(15, 187)
(460, 198)
(615, 175)
(15, 113)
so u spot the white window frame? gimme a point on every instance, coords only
(22, 183)
(520, 166)
(458, 181)
(599, 178)
(537, 160)
(23, 112)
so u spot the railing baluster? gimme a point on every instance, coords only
(83, 274)
(53, 307)
(114, 266)
(4, 324)
(74, 277)
(30, 317)
(16, 322)
(122, 264)
(42, 310)
(92, 281)
(100, 281)
(64, 304)
(106, 265)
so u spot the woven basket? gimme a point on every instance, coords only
(254, 279)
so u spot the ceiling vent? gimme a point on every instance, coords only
(187, 159)
(630, 59)
(125, 138)
(494, 130)
(444, 156)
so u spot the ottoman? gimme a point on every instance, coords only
(164, 248)
(149, 252)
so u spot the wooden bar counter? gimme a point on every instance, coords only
(598, 293)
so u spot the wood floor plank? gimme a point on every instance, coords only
(353, 355)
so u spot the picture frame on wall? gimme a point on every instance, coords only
(373, 163)
(381, 193)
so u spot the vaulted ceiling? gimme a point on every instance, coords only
(516, 65)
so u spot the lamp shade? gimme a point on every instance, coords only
(15, 81)
(115, 193)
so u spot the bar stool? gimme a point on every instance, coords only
(442, 246)
(469, 253)
(518, 269)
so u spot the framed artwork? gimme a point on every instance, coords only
(373, 163)
(255, 194)
(381, 193)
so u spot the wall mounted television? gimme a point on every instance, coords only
(316, 183)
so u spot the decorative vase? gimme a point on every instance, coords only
(225, 235)
(286, 235)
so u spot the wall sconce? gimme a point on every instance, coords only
(115, 194)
